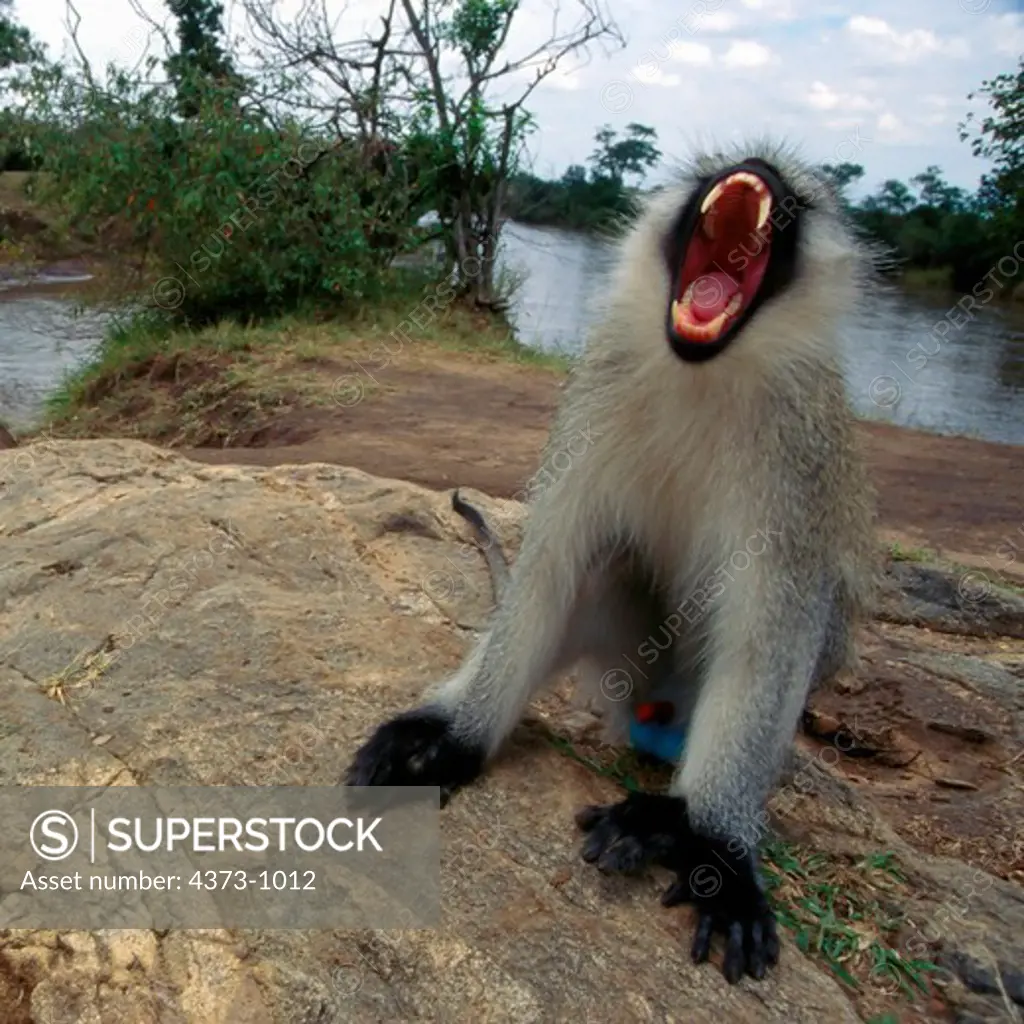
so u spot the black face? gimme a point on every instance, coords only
(733, 247)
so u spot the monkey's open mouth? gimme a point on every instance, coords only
(724, 259)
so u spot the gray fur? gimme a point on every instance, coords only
(747, 461)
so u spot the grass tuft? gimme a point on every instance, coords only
(215, 384)
(844, 914)
(899, 553)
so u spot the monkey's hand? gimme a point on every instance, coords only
(626, 837)
(649, 829)
(416, 749)
(722, 884)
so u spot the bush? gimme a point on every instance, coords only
(229, 215)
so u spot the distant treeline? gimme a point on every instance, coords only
(951, 236)
(587, 198)
(945, 233)
(942, 233)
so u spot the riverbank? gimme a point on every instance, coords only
(460, 403)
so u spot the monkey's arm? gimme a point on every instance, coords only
(463, 722)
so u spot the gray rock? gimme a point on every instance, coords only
(969, 602)
(247, 626)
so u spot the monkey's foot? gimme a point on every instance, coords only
(416, 749)
(723, 886)
(643, 829)
(720, 881)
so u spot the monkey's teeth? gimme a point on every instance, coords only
(702, 332)
(714, 327)
(739, 178)
(712, 197)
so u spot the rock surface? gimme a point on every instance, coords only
(167, 623)
(967, 602)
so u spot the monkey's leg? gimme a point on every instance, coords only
(535, 633)
(765, 644)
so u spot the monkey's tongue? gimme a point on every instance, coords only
(711, 294)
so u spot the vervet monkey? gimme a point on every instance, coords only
(722, 513)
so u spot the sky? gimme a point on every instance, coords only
(869, 82)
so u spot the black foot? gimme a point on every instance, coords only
(416, 749)
(722, 884)
(626, 837)
(647, 829)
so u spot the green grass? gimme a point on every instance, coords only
(623, 770)
(997, 580)
(844, 914)
(902, 554)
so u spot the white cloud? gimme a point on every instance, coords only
(869, 26)
(745, 53)
(691, 53)
(717, 21)
(843, 124)
(781, 10)
(563, 78)
(821, 97)
(889, 123)
(651, 74)
(903, 47)
(1008, 33)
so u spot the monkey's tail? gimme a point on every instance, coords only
(497, 563)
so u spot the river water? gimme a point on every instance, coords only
(971, 381)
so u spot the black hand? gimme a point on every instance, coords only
(721, 882)
(625, 837)
(416, 749)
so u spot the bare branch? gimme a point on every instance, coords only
(369, 87)
(72, 21)
(161, 30)
(429, 52)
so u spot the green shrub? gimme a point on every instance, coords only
(230, 215)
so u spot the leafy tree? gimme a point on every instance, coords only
(843, 175)
(250, 217)
(17, 48)
(616, 158)
(999, 136)
(575, 176)
(893, 197)
(16, 45)
(441, 81)
(200, 55)
(936, 193)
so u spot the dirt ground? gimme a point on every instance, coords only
(454, 421)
